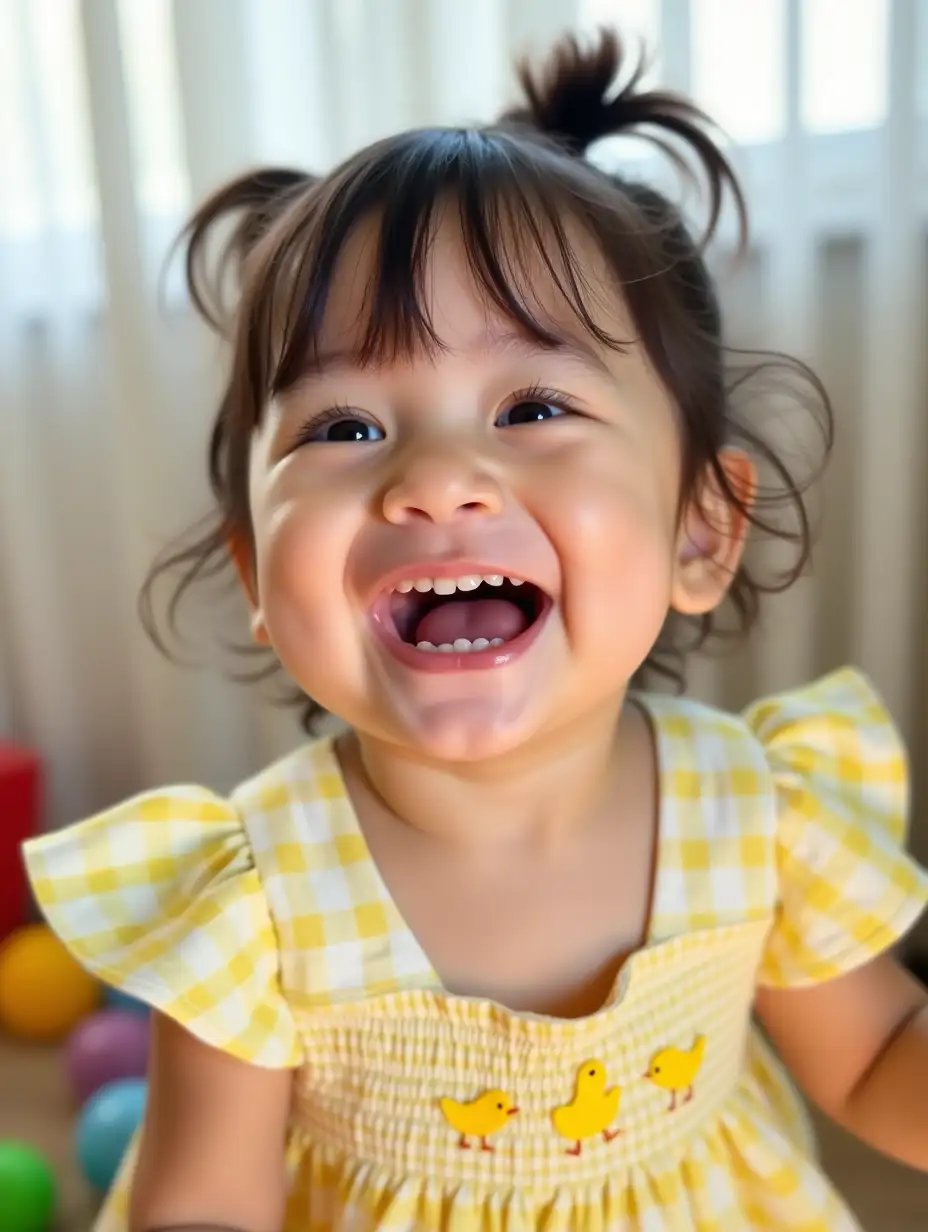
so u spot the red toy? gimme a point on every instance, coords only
(20, 789)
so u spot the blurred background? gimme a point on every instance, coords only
(117, 115)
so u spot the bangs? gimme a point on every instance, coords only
(526, 214)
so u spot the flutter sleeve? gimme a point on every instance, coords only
(160, 898)
(848, 891)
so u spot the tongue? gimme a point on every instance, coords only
(475, 618)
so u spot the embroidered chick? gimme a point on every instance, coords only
(480, 1118)
(674, 1070)
(592, 1109)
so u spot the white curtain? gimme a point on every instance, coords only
(116, 115)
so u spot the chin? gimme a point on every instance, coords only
(465, 732)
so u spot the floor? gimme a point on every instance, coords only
(34, 1107)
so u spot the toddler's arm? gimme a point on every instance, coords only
(212, 1153)
(858, 1046)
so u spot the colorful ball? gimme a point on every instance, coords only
(111, 1045)
(120, 1000)
(105, 1128)
(27, 1189)
(44, 992)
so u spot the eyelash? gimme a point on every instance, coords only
(332, 414)
(541, 393)
(341, 411)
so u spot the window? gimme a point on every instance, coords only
(845, 64)
(47, 176)
(737, 53)
(147, 38)
(739, 66)
(739, 60)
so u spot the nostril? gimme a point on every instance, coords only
(435, 497)
(416, 513)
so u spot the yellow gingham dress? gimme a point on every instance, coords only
(261, 923)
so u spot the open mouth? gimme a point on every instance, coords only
(463, 615)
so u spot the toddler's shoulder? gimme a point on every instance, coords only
(162, 896)
(804, 795)
(848, 889)
(835, 727)
(309, 774)
(705, 750)
(299, 818)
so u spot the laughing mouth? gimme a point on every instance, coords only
(463, 615)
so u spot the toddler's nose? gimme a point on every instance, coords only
(441, 486)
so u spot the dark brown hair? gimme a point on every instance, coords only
(523, 192)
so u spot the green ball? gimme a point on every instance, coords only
(27, 1189)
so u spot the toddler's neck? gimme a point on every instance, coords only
(538, 794)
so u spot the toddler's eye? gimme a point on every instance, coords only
(346, 428)
(529, 411)
(535, 405)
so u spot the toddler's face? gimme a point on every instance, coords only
(492, 459)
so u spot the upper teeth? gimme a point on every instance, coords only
(447, 586)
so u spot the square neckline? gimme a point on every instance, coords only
(649, 707)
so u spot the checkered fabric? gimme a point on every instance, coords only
(842, 800)
(160, 897)
(262, 924)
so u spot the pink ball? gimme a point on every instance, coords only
(110, 1045)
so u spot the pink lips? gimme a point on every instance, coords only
(471, 660)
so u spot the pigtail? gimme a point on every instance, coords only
(245, 208)
(577, 96)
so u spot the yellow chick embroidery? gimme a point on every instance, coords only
(481, 1118)
(592, 1109)
(674, 1070)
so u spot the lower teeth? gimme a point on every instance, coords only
(461, 646)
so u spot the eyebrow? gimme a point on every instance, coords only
(490, 342)
(566, 346)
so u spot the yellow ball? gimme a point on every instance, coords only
(44, 992)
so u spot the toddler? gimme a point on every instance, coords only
(490, 958)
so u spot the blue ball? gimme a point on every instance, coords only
(106, 1126)
(122, 1001)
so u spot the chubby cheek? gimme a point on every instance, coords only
(302, 544)
(615, 535)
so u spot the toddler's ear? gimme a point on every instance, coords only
(712, 537)
(240, 550)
